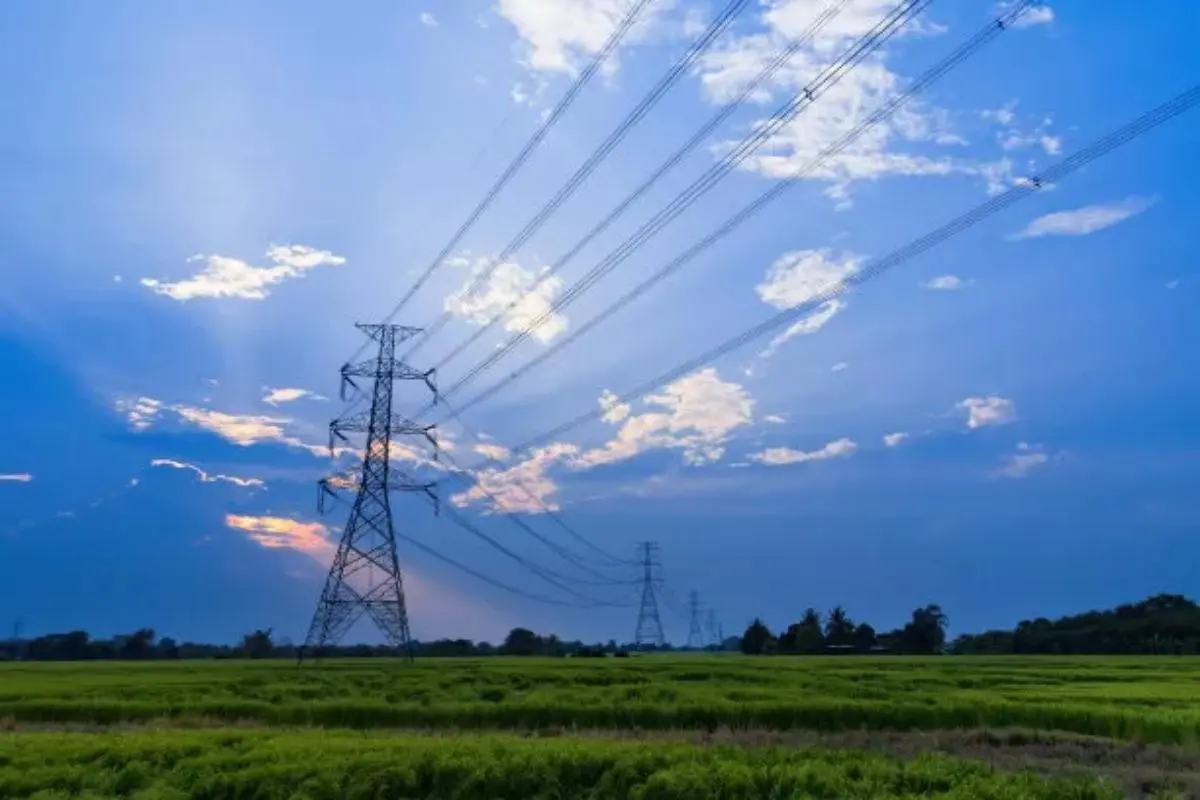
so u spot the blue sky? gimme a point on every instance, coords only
(197, 203)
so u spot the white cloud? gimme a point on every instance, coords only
(1037, 15)
(283, 533)
(803, 275)
(1172, 284)
(17, 477)
(140, 412)
(510, 284)
(781, 456)
(205, 477)
(493, 452)
(276, 397)
(775, 419)
(945, 283)
(894, 439)
(841, 366)
(805, 325)
(1027, 458)
(1083, 221)
(428, 19)
(698, 413)
(991, 410)
(615, 410)
(524, 488)
(222, 276)
(843, 107)
(559, 36)
(240, 429)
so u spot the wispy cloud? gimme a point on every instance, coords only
(283, 533)
(223, 276)
(841, 366)
(509, 284)
(558, 36)
(985, 411)
(524, 488)
(945, 283)
(275, 397)
(782, 456)
(1083, 221)
(895, 439)
(1027, 459)
(428, 19)
(1041, 14)
(15, 477)
(205, 477)
(695, 414)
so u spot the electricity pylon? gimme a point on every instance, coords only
(649, 623)
(695, 640)
(364, 577)
(716, 636)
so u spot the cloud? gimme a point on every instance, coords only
(141, 412)
(509, 284)
(1037, 15)
(521, 489)
(781, 456)
(696, 414)
(945, 283)
(803, 275)
(1083, 221)
(615, 410)
(984, 411)
(222, 276)
(276, 397)
(805, 325)
(283, 533)
(894, 439)
(428, 19)
(557, 37)
(17, 477)
(493, 452)
(240, 429)
(1025, 460)
(889, 148)
(841, 366)
(775, 419)
(206, 477)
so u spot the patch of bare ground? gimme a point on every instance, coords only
(1139, 769)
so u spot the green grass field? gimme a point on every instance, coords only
(578, 728)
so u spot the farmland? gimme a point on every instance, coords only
(655, 727)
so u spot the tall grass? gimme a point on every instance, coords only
(1142, 699)
(315, 765)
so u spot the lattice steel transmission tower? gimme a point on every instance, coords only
(716, 635)
(365, 575)
(649, 623)
(695, 640)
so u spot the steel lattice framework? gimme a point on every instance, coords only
(649, 623)
(365, 575)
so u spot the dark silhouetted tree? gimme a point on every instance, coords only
(757, 640)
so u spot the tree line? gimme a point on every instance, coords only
(1160, 625)
(924, 634)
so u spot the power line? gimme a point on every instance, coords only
(983, 37)
(764, 75)
(701, 45)
(886, 29)
(1178, 105)
(695, 640)
(533, 497)
(614, 41)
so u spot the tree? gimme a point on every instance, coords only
(926, 633)
(139, 644)
(839, 628)
(864, 637)
(757, 640)
(258, 644)
(521, 642)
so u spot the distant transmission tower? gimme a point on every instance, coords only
(715, 637)
(649, 624)
(695, 640)
(365, 575)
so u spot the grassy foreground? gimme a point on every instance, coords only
(1123, 698)
(343, 765)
